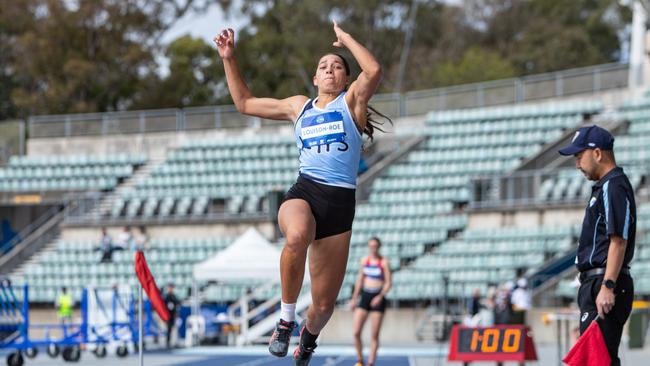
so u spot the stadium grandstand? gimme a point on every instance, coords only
(466, 191)
(462, 199)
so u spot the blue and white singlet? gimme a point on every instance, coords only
(329, 143)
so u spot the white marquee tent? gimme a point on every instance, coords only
(249, 258)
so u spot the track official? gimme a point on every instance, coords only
(606, 244)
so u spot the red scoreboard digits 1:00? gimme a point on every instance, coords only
(498, 343)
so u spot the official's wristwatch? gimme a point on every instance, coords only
(609, 284)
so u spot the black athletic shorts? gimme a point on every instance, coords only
(332, 207)
(366, 297)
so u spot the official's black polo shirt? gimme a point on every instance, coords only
(611, 210)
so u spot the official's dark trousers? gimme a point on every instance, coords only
(612, 325)
(170, 327)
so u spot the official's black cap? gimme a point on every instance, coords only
(589, 138)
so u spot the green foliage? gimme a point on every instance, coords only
(476, 65)
(58, 56)
(548, 35)
(480, 40)
(278, 52)
(80, 60)
(193, 80)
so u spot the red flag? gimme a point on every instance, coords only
(149, 285)
(590, 349)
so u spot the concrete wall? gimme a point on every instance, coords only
(155, 144)
(152, 144)
(398, 327)
(545, 329)
(526, 218)
(47, 315)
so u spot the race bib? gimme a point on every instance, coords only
(322, 129)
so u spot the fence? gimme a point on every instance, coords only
(543, 188)
(587, 80)
(87, 210)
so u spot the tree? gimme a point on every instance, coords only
(60, 56)
(12, 22)
(279, 50)
(549, 35)
(194, 79)
(443, 35)
(476, 65)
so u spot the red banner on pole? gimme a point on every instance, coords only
(149, 285)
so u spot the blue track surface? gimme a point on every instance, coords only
(288, 361)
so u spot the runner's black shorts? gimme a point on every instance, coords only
(366, 298)
(333, 207)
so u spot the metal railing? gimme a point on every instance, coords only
(31, 239)
(29, 229)
(129, 122)
(365, 180)
(586, 80)
(516, 190)
(83, 212)
(525, 189)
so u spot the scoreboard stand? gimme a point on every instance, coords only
(497, 343)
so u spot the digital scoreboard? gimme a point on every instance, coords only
(497, 343)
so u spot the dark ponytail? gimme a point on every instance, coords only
(372, 123)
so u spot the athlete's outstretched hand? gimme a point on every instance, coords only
(339, 36)
(225, 42)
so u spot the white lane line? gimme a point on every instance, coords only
(332, 362)
(259, 361)
(411, 361)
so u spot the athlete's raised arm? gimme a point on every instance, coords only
(245, 101)
(365, 86)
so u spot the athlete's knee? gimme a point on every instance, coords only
(357, 333)
(324, 307)
(297, 237)
(297, 241)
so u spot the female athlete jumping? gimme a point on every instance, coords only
(318, 210)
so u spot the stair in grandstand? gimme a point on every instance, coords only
(551, 274)
(548, 157)
(377, 167)
(32, 239)
(105, 206)
(46, 250)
